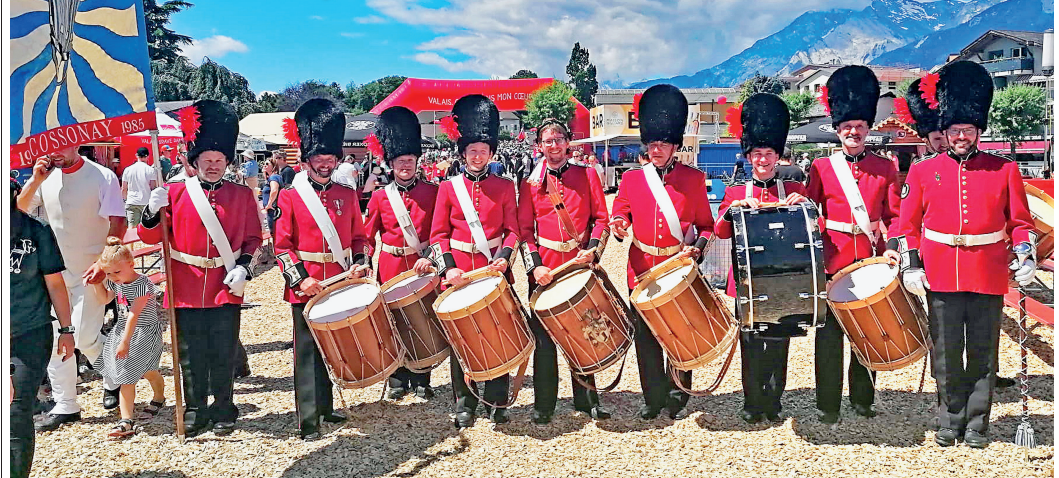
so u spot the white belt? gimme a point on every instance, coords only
(657, 251)
(399, 251)
(571, 245)
(321, 257)
(197, 261)
(964, 239)
(469, 247)
(848, 228)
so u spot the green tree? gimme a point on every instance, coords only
(163, 43)
(363, 98)
(760, 84)
(582, 75)
(902, 87)
(294, 95)
(524, 74)
(444, 141)
(799, 105)
(552, 101)
(1017, 111)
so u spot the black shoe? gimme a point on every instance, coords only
(223, 428)
(396, 393)
(597, 412)
(750, 417)
(541, 418)
(111, 398)
(774, 417)
(1005, 382)
(52, 421)
(674, 407)
(648, 412)
(945, 437)
(425, 392)
(310, 435)
(243, 371)
(193, 430)
(829, 418)
(334, 417)
(974, 439)
(499, 416)
(865, 411)
(464, 420)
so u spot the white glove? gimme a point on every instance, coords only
(159, 199)
(915, 281)
(236, 280)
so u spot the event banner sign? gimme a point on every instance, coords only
(80, 72)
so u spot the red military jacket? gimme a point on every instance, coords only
(494, 201)
(419, 199)
(195, 287)
(635, 203)
(765, 191)
(296, 230)
(979, 195)
(877, 181)
(582, 195)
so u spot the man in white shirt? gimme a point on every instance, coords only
(137, 181)
(83, 206)
(346, 173)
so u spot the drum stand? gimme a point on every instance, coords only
(1024, 434)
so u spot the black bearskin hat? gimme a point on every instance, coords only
(852, 94)
(399, 132)
(321, 127)
(216, 128)
(926, 118)
(965, 91)
(663, 113)
(478, 121)
(765, 120)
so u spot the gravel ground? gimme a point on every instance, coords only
(413, 437)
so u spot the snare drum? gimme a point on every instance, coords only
(687, 317)
(409, 297)
(483, 322)
(352, 328)
(1042, 208)
(584, 318)
(886, 326)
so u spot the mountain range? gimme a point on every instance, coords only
(887, 32)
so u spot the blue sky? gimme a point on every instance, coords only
(276, 43)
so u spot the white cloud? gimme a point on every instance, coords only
(214, 47)
(315, 17)
(370, 19)
(352, 34)
(628, 40)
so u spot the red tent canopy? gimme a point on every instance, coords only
(509, 95)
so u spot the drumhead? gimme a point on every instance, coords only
(665, 283)
(406, 287)
(343, 303)
(469, 294)
(563, 289)
(862, 282)
(1041, 210)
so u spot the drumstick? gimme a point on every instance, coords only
(329, 281)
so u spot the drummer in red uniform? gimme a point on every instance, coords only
(958, 211)
(667, 204)
(555, 233)
(490, 198)
(207, 214)
(762, 129)
(856, 191)
(319, 234)
(408, 200)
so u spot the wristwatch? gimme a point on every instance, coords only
(69, 329)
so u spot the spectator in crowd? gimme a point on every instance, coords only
(805, 162)
(182, 170)
(250, 169)
(166, 160)
(346, 172)
(286, 171)
(270, 192)
(594, 164)
(785, 171)
(739, 171)
(233, 172)
(36, 275)
(83, 205)
(496, 167)
(137, 181)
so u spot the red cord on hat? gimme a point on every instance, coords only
(734, 117)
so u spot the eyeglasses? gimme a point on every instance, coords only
(554, 142)
(966, 132)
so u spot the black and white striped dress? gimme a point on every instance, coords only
(145, 347)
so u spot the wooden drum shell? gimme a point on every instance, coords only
(1042, 208)
(418, 327)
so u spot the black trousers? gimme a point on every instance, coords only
(830, 349)
(656, 384)
(959, 322)
(207, 340)
(495, 389)
(407, 379)
(312, 385)
(30, 353)
(546, 374)
(764, 372)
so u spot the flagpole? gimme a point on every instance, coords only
(178, 384)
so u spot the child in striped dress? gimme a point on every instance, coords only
(134, 347)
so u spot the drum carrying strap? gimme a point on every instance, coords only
(477, 232)
(567, 222)
(779, 189)
(404, 220)
(665, 203)
(323, 221)
(852, 193)
(209, 219)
